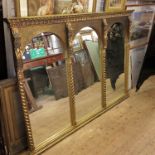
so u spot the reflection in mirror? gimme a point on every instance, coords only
(46, 86)
(115, 77)
(86, 72)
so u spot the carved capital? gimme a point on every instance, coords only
(130, 24)
(19, 59)
(70, 37)
(17, 39)
(105, 33)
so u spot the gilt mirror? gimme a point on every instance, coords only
(46, 85)
(66, 73)
(115, 63)
(87, 72)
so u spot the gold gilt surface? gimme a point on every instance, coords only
(115, 9)
(66, 27)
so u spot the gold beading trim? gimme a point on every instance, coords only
(57, 19)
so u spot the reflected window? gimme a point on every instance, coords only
(54, 46)
(45, 44)
(85, 34)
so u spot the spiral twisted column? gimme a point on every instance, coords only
(70, 78)
(20, 77)
(105, 40)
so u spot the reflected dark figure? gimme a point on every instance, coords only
(115, 53)
(148, 67)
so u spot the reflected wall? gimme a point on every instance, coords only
(86, 73)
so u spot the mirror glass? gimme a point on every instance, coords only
(115, 76)
(46, 86)
(86, 73)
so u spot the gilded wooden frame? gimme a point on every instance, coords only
(25, 8)
(72, 24)
(109, 8)
(18, 7)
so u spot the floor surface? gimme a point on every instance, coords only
(127, 129)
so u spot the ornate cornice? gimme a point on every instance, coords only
(56, 19)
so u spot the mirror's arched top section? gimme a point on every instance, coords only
(55, 19)
(117, 28)
(95, 25)
(122, 21)
(56, 24)
(26, 34)
(84, 35)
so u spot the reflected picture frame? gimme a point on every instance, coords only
(61, 5)
(141, 24)
(24, 8)
(114, 5)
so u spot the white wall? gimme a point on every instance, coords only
(9, 11)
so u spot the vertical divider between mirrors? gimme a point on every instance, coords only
(105, 40)
(70, 79)
(103, 82)
(127, 50)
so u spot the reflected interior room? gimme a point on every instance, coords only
(46, 81)
(87, 78)
(115, 63)
(46, 85)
